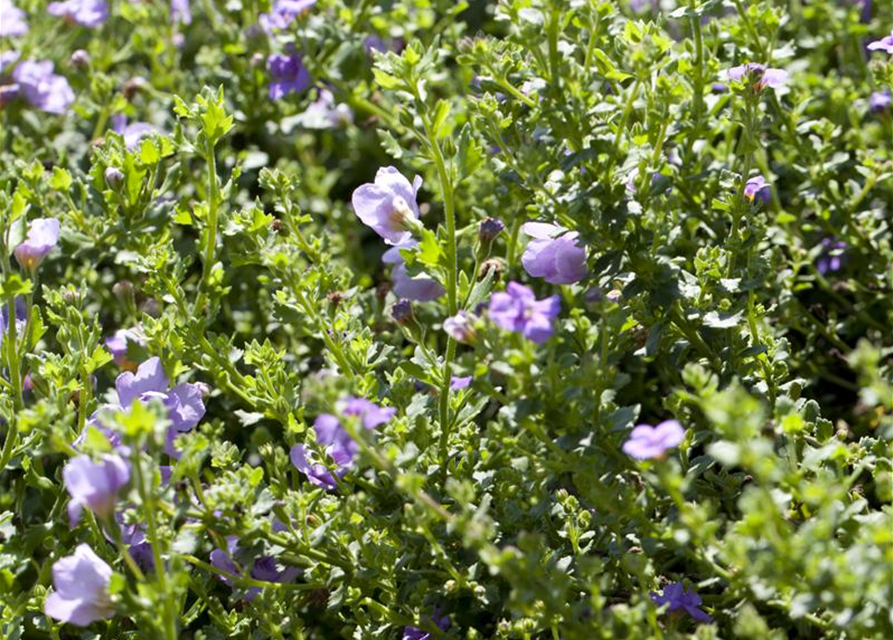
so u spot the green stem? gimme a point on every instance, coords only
(211, 246)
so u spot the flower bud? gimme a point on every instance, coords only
(489, 229)
(113, 176)
(402, 312)
(80, 59)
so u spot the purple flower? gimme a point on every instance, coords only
(87, 13)
(457, 382)
(283, 12)
(264, 568)
(388, 205)
(517, 309)
(184, 403)
(370, 414)
(339, 447)
(118, 343)
(832, 256)
(554, 254)
(288, 74)
(181, 11)
(884, 44)
(81, 583)
(415, 633)
(419, 288)
(12, 20)
(647, 442)
(94, 485)
(460, 327)
(42, 88)
(134, 537)
(757, 190)
(758, 73)
(43, 234)
(132, 133)
(880, 101)
(679, 599)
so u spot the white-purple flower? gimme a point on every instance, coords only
(12, 20)
(42, 88)
(388, 204)
(679, 599)
(554, 254)
(759, 74)
(43, 234)
(94, 484)
(325, 113)
(81, 583)
(518, 310)
(288, 75)
(756, 189)
(460, 327)
(884, 44)
(647, 442)
(87, 13)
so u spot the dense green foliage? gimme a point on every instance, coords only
(764, 325)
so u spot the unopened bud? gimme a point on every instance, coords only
(113, 176)
(402, 311)
(79, 59)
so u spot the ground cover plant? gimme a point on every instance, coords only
(426, 319)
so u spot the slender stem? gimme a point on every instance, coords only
(211, 246)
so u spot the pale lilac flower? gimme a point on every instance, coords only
(388, 204)
(884, 44)
(264, 568)
(283, 12)
(181, 12)
(554, 254)
(460, 327)
(518, 310)
(679, 599)
(7, 59)
(832, 257)
(415, 633)
(148, 382)
(419, 288)
(880, 101)
(43, 234)
(460, 382)
(12, 20)
(81, 583)
(757, 190)
(87, 13)
(94, 485)
(647, 442)
(288, 75)
(132, 133)
(118, 343)
(325, 113)
(761, 75)
(42, 88)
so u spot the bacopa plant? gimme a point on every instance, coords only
(423, 320)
